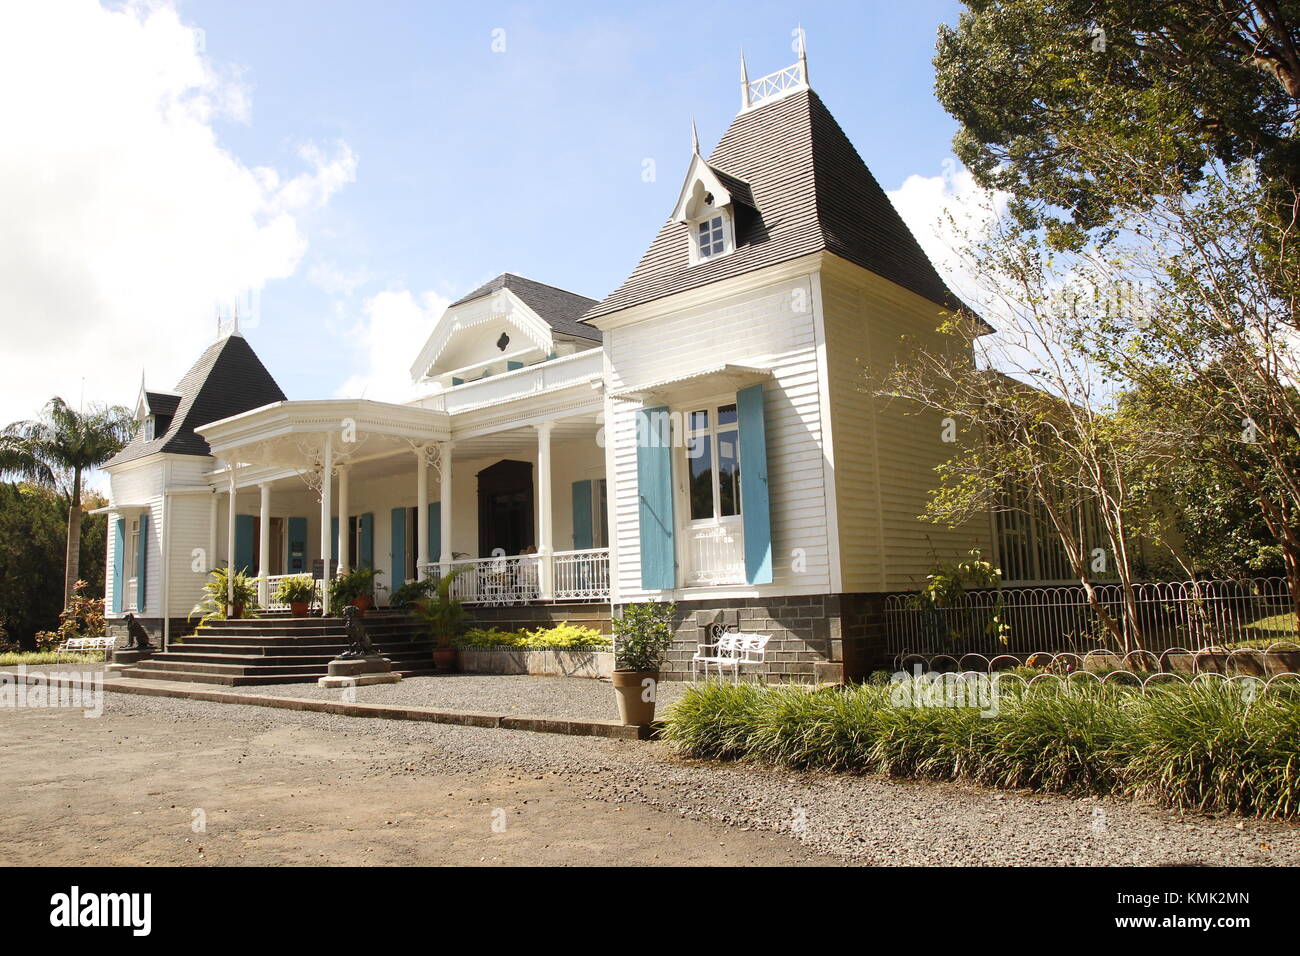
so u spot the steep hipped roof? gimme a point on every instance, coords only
(559, 308)
(227, 379)
(812, 192)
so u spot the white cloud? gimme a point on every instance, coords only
(125, 220)
(395, 327)
(945, 211)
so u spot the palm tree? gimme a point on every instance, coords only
(54, 449)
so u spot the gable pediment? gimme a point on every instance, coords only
(478, 331)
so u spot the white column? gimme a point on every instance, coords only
(544, 543)
(343, 519)
(264, 546)
(421, 512)
(210, 559)
(326, 509)
(230, 540)
(444, 507)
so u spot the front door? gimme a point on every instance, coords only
(505, 509)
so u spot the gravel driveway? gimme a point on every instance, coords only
(865, 820)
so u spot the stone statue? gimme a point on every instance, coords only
(359, 641)
(137, 637)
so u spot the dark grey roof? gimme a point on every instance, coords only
(161, 403)
(560, 309)
(227, 379)
(812, 192)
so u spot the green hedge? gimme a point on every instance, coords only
(1203, 746)
(564, 636)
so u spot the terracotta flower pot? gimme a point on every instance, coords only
(236, 612)
(363, 603)
(299, 608)
(446, 658)
(631, 690)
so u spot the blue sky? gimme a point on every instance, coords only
(350, 167)
(471, 162)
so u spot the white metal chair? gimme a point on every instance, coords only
(729, 649)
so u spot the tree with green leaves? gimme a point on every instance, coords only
(1179, 85)
(55, 450)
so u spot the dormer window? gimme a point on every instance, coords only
(150, 429)
(711, 238)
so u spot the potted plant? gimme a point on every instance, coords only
(643, 635)
(226, 597)
(446, 618)
(299, 592)
(355, 587)
(412, 594)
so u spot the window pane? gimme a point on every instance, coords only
(727, 415)
(698, 420)
(728, 473)
(699, 455)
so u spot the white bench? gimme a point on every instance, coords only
(730, 649)
(80, 645)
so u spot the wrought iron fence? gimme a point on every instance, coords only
(1022, 620)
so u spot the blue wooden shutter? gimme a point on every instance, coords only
(244, 543)
(754, 500)
(119, 539)
(141, 562)
(398, 552)
(297, 545)
(435, 531)
(511, 366)
(582, 539)
(654, 478)
(366, 558)
(334, 538)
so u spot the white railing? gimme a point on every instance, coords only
(1018, 620)
(273, 582)
(776, 84)
(517, 579)
(581, 575)
(519, 383)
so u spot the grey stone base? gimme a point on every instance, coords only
(180, 627)
(827, 638)
(356, 666)
(360, 680)
(538, 663)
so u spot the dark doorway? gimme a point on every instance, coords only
(505, 508)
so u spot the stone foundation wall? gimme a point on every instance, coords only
(533, 616)
(814, 638)
(180, 627)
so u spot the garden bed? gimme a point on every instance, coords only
(537, 662)
(1213, 746)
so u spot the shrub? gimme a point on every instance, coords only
(564, 636)
(298, 589)
(1201, 746)
(645, 632)
(410, 592)
(215, 595)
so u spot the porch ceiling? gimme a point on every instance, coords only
(692, 386)
(293, 434)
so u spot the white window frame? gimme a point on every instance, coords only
(688, 526)
(728, 235)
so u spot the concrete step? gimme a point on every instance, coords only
(246, 680)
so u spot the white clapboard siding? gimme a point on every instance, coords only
(758, 327)
(885, 455)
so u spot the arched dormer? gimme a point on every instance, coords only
(707, 208)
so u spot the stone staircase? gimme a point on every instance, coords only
(278, 649)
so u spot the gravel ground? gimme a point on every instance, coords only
(573, 697)
(865, 820)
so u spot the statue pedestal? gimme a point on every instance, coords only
(359, 671)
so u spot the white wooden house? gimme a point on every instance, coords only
(701, 435)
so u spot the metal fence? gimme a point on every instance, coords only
(1022, 620)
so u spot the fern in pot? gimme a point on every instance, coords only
(642, 636)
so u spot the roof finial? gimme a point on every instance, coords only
(234, 326)
(803, 55)
(744, 82)
(695, 138)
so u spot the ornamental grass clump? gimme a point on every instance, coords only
(1209, 746)
(1219, 748)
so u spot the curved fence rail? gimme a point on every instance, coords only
(1185, 614)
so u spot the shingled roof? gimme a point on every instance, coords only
(227, 379)
(812, 192)
(559, 308)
